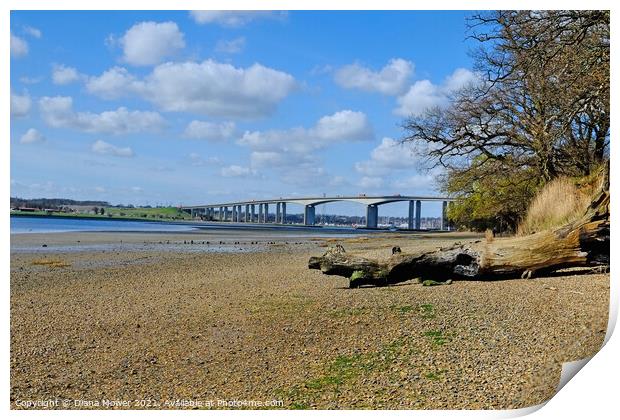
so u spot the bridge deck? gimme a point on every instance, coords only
(362, 199)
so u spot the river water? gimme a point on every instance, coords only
(25, 224)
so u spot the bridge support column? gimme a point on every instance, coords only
(418, 213)
(411, 215)
(266, 213)
(234, 214)
(444, 216)
(252, 212)
(239, 209)
(372, 216)
(246, 216)
(277, 213)
(283, 213)
(220, 215)
(309, 212)
(260, 213)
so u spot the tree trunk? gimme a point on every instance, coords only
(581, 243)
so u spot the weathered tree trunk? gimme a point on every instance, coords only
(582, 243)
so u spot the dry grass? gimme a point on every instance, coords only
(51, 263)
(558, 203)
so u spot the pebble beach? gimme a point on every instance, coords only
(165, 320)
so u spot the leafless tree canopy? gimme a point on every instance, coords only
(542, 101)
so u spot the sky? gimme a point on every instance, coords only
(187, 108)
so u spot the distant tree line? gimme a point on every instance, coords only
(539, 111)
(54, 203)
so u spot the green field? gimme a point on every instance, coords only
(161, 213)
(149, 213)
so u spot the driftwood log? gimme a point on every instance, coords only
(582, 243)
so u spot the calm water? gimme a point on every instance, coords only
(54, 224)
(50, 224)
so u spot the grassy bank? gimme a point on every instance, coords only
(115, 213)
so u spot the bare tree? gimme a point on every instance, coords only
(541, 104)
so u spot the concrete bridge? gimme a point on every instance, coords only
(246, 211)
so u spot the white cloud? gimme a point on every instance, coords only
(292, 151)
(209, 88)
(32, 136)
(114, 83)
(424, 95)
(344, 126)
(295, 145)
(210, 131)
(388, 156)
(370, 182)
(102, 148)
(30, 80)
(269, 159)
(230, 46)
(235, 171)
(33, 32)
(232, 18)
(149, 43)
(63, 75)
(19, 47)
(20, 105)
(390, 80)
(58, 112)
(197, 160)
(418, 182)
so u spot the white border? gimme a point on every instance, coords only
(593, 393)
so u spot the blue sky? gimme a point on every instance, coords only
(198, 107)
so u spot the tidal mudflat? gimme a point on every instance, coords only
(158, 321)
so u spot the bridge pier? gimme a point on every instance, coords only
(234, 213)
(444, 216)
(372, 216)
(309, 215)
(247, 212)
(418, 213)
(283, 215)
(411, 215)
(260, 213)
(277, 212)
(266, 213)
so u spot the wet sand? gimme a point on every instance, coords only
(159, 322)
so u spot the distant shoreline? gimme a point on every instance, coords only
(93, 217)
